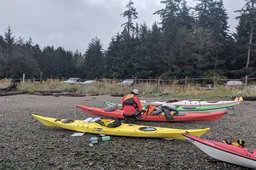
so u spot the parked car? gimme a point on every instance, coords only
(89, 82)
(234, 84)
(209, 87)
(127, 82)
(72, 81)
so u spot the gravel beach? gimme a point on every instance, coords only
(26, 143)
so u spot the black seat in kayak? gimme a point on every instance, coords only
(100, 122)
(249, 150)
(180, 114)
(172, 100)
(211, 101)
(114, 124)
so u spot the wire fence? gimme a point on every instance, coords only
(214, 82)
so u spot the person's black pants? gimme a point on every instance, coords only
(132, 116)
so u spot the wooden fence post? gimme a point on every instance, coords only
(214, 81)
(23, 78)
(159, 80)
(246, 81)
(186, 81)
(41, 76)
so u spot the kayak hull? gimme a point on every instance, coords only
(184, 108)
(194, 103)
(228, 153)
(129, 130)
(185, 116)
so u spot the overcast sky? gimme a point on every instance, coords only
(72, 24)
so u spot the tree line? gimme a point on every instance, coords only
(193, 42)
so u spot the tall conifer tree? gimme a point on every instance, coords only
(94, 60)
(245, 40)
(212, 18)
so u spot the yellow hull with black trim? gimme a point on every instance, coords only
(129, 130)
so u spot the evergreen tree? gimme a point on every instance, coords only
(184, 17)
(212, 17)
(78, 61)
(245, 41)
(16, 57)
(130, 14)
(8, 48)
(121, 59)
(47, 62)
(169, 22)
(205, 46)
(177, 39)
(141, 55)
(115, 58)
(181, 46)
(37, 54)
(63, 63)
(148, 52)
(94, 60)
(155, 51)
(22, 61)
(2, 58)
(69, 68)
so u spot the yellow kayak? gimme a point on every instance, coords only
(113, 127)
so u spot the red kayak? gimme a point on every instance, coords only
(238, 155)
(181, 116)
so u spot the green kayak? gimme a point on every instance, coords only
(180, 108)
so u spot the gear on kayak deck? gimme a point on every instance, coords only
(109, 123)
(169, 112)
(238, 143)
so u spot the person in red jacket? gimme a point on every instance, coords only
(131, 105)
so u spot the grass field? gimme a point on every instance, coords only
(146, 89)
(4, 82)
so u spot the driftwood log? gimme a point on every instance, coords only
(117, 95)
(8, 93)
(68, 94)
(48, 92)
(12, 86)
(57, 93)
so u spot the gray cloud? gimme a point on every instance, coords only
(73, 23)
